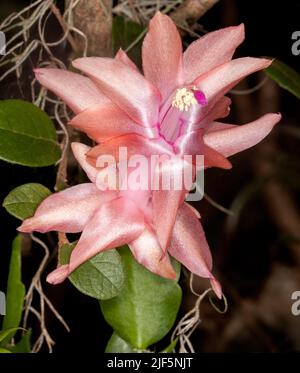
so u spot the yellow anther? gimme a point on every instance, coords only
(183, 99)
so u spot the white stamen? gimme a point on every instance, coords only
(184, 99)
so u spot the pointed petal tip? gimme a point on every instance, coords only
(39, 74)
(78, 147)
(273, 118)
(78, 62)
(77, 91)
(75, 145)
(122, 56)
(120, 53)
(279, 116)
(42, 70)
(81, 61)
(80, 152)
(171, 274)
(20, 227)
(195, 211)
(37, 70)
(216, 286)
(227, 166)
(213, 158)
(26, 226)
(167, 270)
(255, 63)
(266, 62)
(241, 27)
(160, 17)
(239, 30)
(158, 13)
(162, 54)
(59, 275)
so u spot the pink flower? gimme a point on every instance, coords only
(171, 109)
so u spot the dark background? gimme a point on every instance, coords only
(255, 261)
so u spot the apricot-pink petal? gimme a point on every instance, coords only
(212, 158)
(235, 139)
(125, 222)
(58, 275)
(67, 211)
(102, 122)
(165, 208)
(192, 143)
(210, 51)
(162, 54)
(125, 86)
(189, 246)
(122, 56)
(147, 251)
(219, 111)
(166, 201)
(80, 153)
(77, 91)
(142, 199)
(218, 126)
(114, 224)
(217, 82)
(135, 145)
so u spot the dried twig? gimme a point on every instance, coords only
(94, 19)
(142, 11)
(187, 325)
(36, 286)
(191, 320)
(64, 26)
(191, 10)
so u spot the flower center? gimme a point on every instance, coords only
(185, 98)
